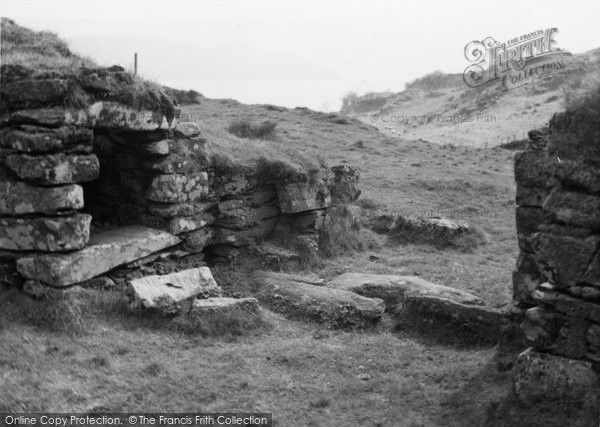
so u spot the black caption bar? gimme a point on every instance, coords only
(227, 419)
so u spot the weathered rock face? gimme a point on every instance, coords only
(19, 198)
(51, 234)
(303, 196)
(557, 280)
(39, 140)
(303, 297)
(178, 188)
(166, 292)
(104, 252)
(52, 169)
(100, 114)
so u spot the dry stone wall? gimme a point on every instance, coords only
(557, 280)
(76, 184)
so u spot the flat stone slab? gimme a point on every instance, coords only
(54, 169)
(164, 292)
(35, 139)
(292, 295)
(104, 252)
(100, 114)
(394, 289)
(18, 198)
(49, 234)
(224, 305)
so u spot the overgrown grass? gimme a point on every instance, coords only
(339, 236)
(574, 133)
(270, 161)
(28, 54)
(245, 129)
(79, 311)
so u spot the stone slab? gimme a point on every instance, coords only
(393, 289)
(18, 198)
(104, 252)
(333, 307)
(50, 234)
(36, 139)
(166, 291)
(52, 169)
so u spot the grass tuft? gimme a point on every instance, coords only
(245, 129)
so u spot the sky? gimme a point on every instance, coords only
(297, 53)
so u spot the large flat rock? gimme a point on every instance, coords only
(104, 252)
(105, 114)
(35, 139)
(50, 234)
(296, 296)
(394, 289)
(165, 292)
(52, 169)
(18, 198)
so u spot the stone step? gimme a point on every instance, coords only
(394, 289)
(104, 252)
(166, 292)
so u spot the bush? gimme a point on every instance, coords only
(342, 233)
(245, 129)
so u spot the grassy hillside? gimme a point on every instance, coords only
(496, 117)
(88, 353)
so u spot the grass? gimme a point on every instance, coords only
(245, 129)
(271, 161)
(304, 374)
(28, 54)
(121, 364)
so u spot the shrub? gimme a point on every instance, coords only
(342, 233)
(245, 129)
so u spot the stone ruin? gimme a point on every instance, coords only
(87, 189)
(557, 280)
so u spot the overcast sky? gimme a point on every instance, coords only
(297, 53)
